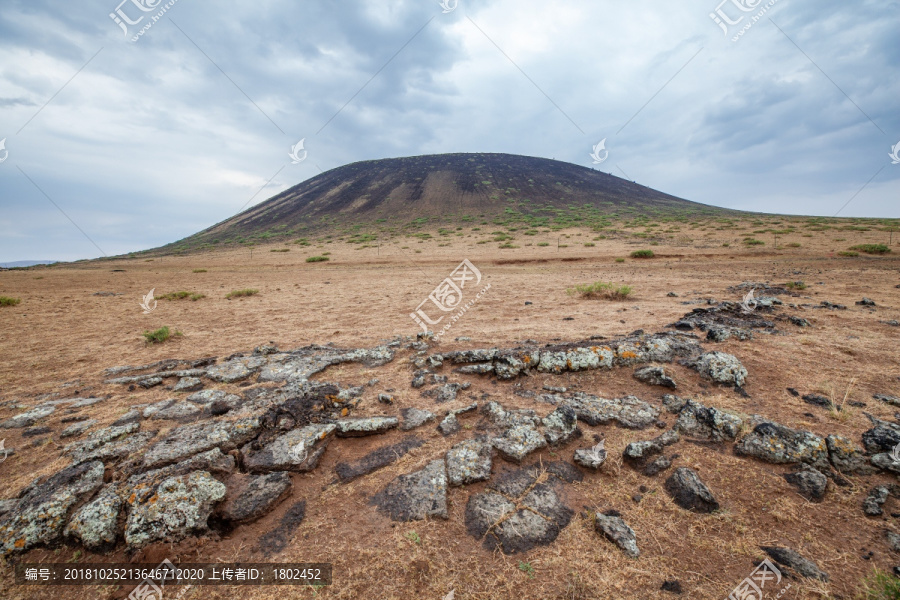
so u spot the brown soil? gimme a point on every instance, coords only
(61, 337)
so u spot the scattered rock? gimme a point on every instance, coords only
(799, 322)
(654, 376)
(178, 411)
(878, 495)
(846, 457)
(416, 496)
(363, 426)
(447, 392)
(251, 496)
(449, 425)
(188, 384)
(236, 369)
(77, 428)
(181, 507)
(96, 523)
(518, 442)
(376, 459)
(560, 425)
(657, 466)
(29, 418)
(149, 382)
(866, 302)
(810, 484)
(778, 444)
(892, 400)
(297, 450)
(591, 458)
(689, 492)
(698, 421)
(883, 437)
(187, 440)
(791, 559)
(672, 585)
(615, 530)
(721, 367)
(132, 416)
(638, 453)
(629, 411)
(35, 431)
(893, 540)
(674, 404)
(469, 461)
(414, 417)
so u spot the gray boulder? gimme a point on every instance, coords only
(188, 440)
(847, 457)
(810, 484)
(181, 508)
(688, 492)
(721, 367)
(28, 418)
(188, 384)
(297, 450)
(652, 375)
(96, 523)
(249, 497)
(560, 426)
(698, 421)
(616, 531)
(793, 560)
(778, 444)
(416, 496)
(518, 442)
(469, 461)
(414, 417)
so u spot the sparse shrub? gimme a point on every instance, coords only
(793, 245)
(241, 293)
(182, 295)
(795, 285)
(600, 289)
(881, 585)
(872, 248)
(160, 335)
(753, 242)
(507, 245)
(7, 301)
(589, 245)
(199, 271)
(726, 245)
(312, 259)
(642, 254)
(280, 250)
(620, 260)
(848, 254)
(543, 244)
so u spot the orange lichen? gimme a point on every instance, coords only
(629, 354)
(20, 543)
(345, 411)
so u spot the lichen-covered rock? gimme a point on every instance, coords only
(77, 428)
(28, 418)
(416, 496)
(560, 426)
(449, 425)
(132, 416)
(810, 484)
(847, 457)
(188, 384)
(722, 368)
(518, 442)
(479, 369)
(884, 437)
(613, 528)
(793, 560)
(188, 440)
(236, 369)
(96, 523)
(638, 453)
(382, 457)
(297, 450)
(249, 497)
(363, 426)
(503, 418)
(414, 417)
(629, 411)
(878, 495)
(42, 508)
(180, 507)
(446, 392)
(576, 359)
(778, 444)
(469, 461)
(652, 375)
(109, 443)
(698, 421)
(892, 400)
(179, 411)
(886, 462)
(688, 492)
(674, 404)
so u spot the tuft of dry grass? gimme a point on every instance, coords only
(600, 289)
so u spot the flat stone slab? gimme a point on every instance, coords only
(377, 459)
(250, 497)
(109, 443)
(652, 375)
(415, 417)
(28, 418)
(297, 450)
(188, 384)
(188, 440)
(96, 523)
(505, 419)
(522, 510)
(469, 461)
(688, 492)
(630, 412)
(180, 507)
(721, 367)
(77, 428)
(698, 421)
(43, 507)
(560, 426)
(416, 496)
(613, 528)
(793, 560)
(179, 411)
(236, 369)
(518, 442)
(363, 426)
(778, 444)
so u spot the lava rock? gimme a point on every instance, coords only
(810, 484)
(469, 461)
(415, 417)
(249, 497)
(28, 418)
(188, 440)
(722, 368)
(698, 421)
(778, 444)
(654, 376)
(376, 459)
(689, 492)
(518, 442)
(364, 426)
(560, 426)
(96, 523)
(297, 450)
(628, 412)
(793, 560)
(615, 530)
(416, 496)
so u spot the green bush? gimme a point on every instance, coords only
(795, 285)
(600, 289)
(158, 336)
(848, 254)
(872, 248)
(199, 271)
(7, 301)
(881, 585)
(620, 260)
(642, 254)
(753, 242)
(241, 293)
(280, 250)
(542, 244)
(182, 295)
(312, 259)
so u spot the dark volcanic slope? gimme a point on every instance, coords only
(443, 188)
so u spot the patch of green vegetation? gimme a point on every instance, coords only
(642, 254)
(182, 295)
(600, 289)
(543, 244)
(8, 301)
(620, 260)
(753, 242)
(312, 259)
(871, 248)
(881, 585)
(848, 254)
(507, 245)
(280, 250)
(413, 537)
(589, 244)
(794, 245)
(199, 271)
(241, 293)
(160, 335)
(527, 569)
(795, 285)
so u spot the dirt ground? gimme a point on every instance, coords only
(58, 340)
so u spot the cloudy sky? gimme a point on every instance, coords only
(120, 137)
